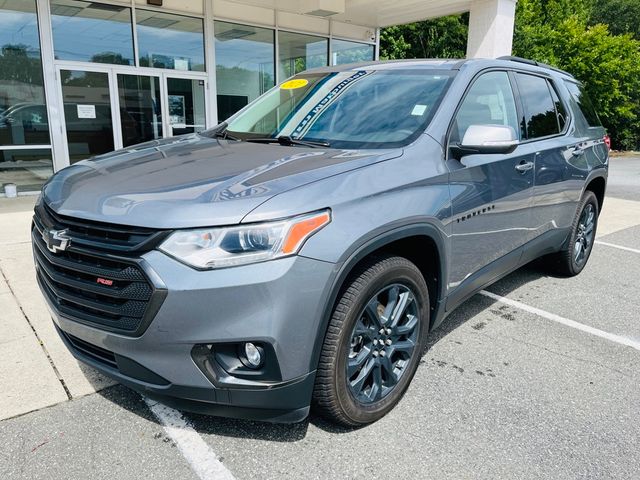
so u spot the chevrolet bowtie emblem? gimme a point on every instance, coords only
(56, 240)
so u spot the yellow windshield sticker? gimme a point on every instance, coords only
(295, 83)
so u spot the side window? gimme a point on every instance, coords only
(561, 112)
(489, 101)
(540, 118)
(586, 107)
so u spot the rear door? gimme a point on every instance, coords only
(491, 194)
(561, 159)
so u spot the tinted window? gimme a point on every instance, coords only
(489, 101)
(561, 112)
(586, 107)
(539, 110)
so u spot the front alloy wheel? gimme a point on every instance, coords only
(374, 341)
(382, 343)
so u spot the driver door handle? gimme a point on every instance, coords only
(524, 167)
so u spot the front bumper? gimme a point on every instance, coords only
(278, 304)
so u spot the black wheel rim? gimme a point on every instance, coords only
(584, 236)
(383, 342)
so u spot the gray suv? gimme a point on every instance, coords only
(299, 253)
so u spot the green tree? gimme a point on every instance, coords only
(444, 37)
(608, 65)
(622, 16)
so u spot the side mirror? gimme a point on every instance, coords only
(479, 139)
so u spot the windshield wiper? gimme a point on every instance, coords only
(288, 141)
(222, 132)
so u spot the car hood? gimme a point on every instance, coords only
(193, 181)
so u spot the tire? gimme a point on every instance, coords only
(351, 398)
(573, 258)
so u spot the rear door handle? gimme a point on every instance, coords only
(576, 152)
(524, 167)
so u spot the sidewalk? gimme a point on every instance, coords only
(37, 370)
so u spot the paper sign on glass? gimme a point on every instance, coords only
(86, 111)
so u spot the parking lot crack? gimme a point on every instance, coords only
(35, 333)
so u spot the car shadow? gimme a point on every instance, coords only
(255, 430)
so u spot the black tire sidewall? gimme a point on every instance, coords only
(411, 278)
(588, 198)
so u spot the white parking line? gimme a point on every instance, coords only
(194, 449)
(629, 342)
(620, 247)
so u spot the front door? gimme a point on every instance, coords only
(491, 194)
(107, 108)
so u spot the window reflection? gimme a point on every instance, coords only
(92, 32)
(540, 119)
(244, 65)
(87, 114)
(170, 41)
(140, 114)
(343, 51)
(299, 52)
(23, 115)
(186, 105)
(28, 169)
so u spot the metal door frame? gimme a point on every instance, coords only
(112, 72)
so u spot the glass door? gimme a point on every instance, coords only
(140, 105)
(185, 105)
(107, 108)
(88, 113)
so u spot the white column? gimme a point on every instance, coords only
(52, 89)
(491, 28)
(210, 58)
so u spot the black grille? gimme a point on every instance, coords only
(107, 358)
(98, 354)
(99, 235)
(88, 283)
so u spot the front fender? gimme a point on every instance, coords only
(369, 244)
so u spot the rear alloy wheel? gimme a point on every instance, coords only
(572, 260)
(374, 342)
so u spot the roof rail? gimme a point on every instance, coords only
(533, 62)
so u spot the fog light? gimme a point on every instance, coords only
(253, 354)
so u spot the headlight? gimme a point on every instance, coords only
(209, 248)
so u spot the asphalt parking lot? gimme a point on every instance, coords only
(537, 377)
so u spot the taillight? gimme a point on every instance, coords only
(607, 141)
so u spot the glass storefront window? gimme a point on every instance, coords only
(186, 105)
(92, 32)
(28, 169)
(23, 111)
(140, 110)
(244, 65)
(343, 51)
(87, 113)
(23, 114)
(170, 41)
(298, 52)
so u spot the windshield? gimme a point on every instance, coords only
(354, 109)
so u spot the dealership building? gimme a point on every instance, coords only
(80, 78)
